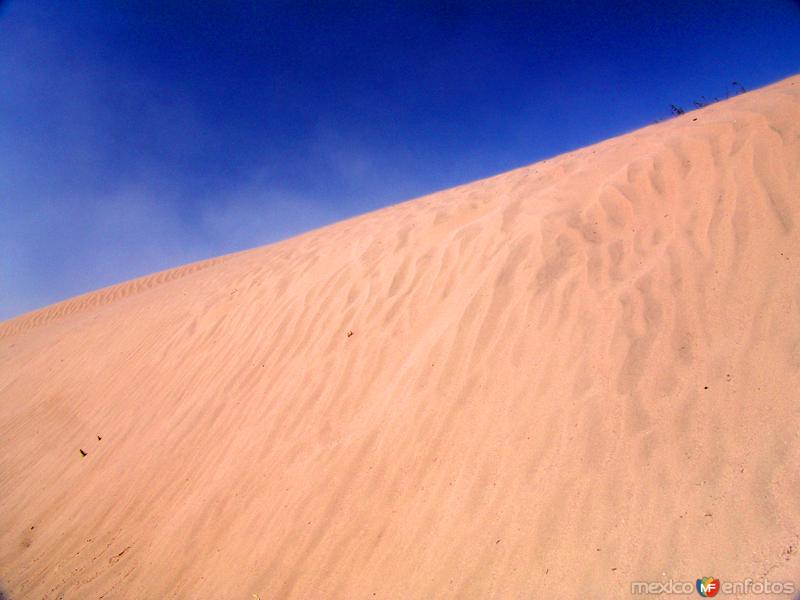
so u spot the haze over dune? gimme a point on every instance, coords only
(546, 384)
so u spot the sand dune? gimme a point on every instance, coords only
(560, 380)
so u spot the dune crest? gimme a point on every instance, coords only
(549, 383)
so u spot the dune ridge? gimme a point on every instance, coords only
(549, 383)
(100, 297)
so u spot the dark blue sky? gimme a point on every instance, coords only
(136, 136)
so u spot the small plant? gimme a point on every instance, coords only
(733, 89)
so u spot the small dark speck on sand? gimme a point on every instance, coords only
(82, 452)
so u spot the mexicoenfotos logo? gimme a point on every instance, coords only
(708, 587)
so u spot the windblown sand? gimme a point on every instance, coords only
(546, 384)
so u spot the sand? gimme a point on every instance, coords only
(546, 384)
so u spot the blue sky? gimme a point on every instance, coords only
(137, 136)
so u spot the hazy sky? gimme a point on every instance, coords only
(136, 136)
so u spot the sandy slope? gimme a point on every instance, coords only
(560, 379)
